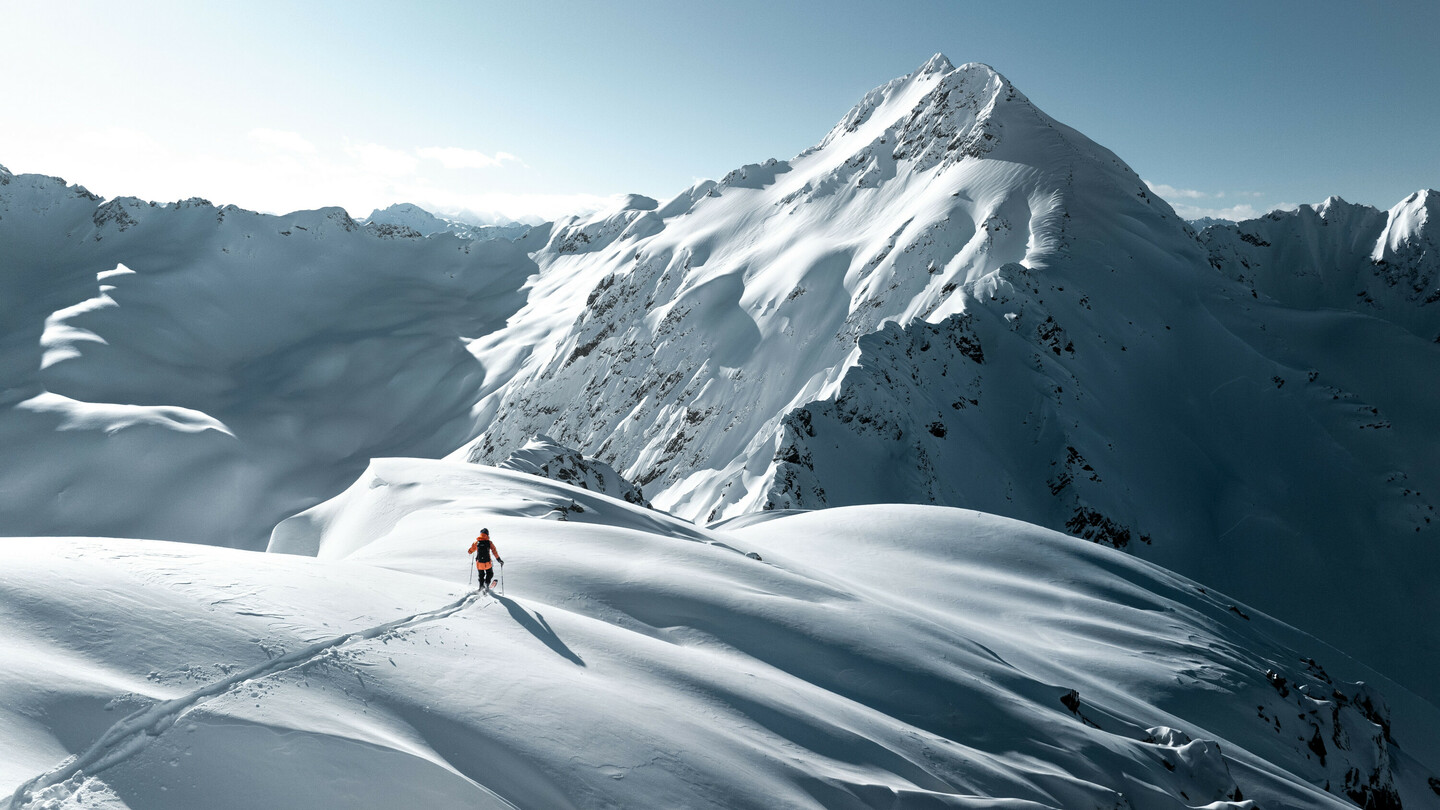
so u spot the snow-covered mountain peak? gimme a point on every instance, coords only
(1411, 230)
(639, 202)
(408, 215)
(939, 63)
(1342, 255)
(408, 220)
(920, 104)
(935, 181)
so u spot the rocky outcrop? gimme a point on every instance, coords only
(546, 458)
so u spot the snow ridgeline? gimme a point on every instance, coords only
(955, 299)
(1338, 255)
(1107, 380)
(639, 661)
(544, 457)
(411, 221)
(197, 372)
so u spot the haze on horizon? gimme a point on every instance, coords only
(1228, 109)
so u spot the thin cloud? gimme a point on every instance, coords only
(282, 141)
(1235, 213)
(492, 207)
(453, 157)
(1191, 203)
(383, 160)
(275, 171)
(1173, 193)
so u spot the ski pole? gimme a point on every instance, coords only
(502, 579)
(469, 576)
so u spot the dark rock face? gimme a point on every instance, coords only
(1344, 728)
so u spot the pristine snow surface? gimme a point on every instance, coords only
(875, 656)
(952, 300)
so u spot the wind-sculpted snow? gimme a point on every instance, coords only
(760, 342)
(671, 342)
(878, 656)
(198, 373)
(127, 738)
(543, 457)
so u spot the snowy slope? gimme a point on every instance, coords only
(952, 299)
(955, 299)
(198, 373)
(1342, 256)
(670, 340)
(636, 661)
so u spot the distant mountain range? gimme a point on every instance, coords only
(414, 218)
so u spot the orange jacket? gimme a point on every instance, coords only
(481, 542)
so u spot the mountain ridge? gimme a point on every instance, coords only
(1100, 375)
(696, 347)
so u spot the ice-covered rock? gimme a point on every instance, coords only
(546, 458)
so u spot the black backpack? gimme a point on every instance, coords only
(482, 551)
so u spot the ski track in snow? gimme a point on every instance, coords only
(131, 734)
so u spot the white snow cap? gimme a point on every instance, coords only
(1405, 231)
(939, 63)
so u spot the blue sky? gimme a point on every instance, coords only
(537, 108)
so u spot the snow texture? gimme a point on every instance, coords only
(543, 457)
(955, 299)
(198, 373)
(873, 656)
(952, 299)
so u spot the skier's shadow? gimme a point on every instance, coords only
(540, 629)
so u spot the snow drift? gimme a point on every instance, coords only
(877, 656)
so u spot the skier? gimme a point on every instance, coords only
(483, 548)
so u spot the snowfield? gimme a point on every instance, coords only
(979, 476)
(197, 372)
(874, 656)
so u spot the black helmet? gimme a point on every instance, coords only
(484, 531)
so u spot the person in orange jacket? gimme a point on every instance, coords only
(483, 549)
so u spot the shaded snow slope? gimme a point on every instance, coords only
(955, 299)
(197, 373)
(639, 662)
(1342, 256)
